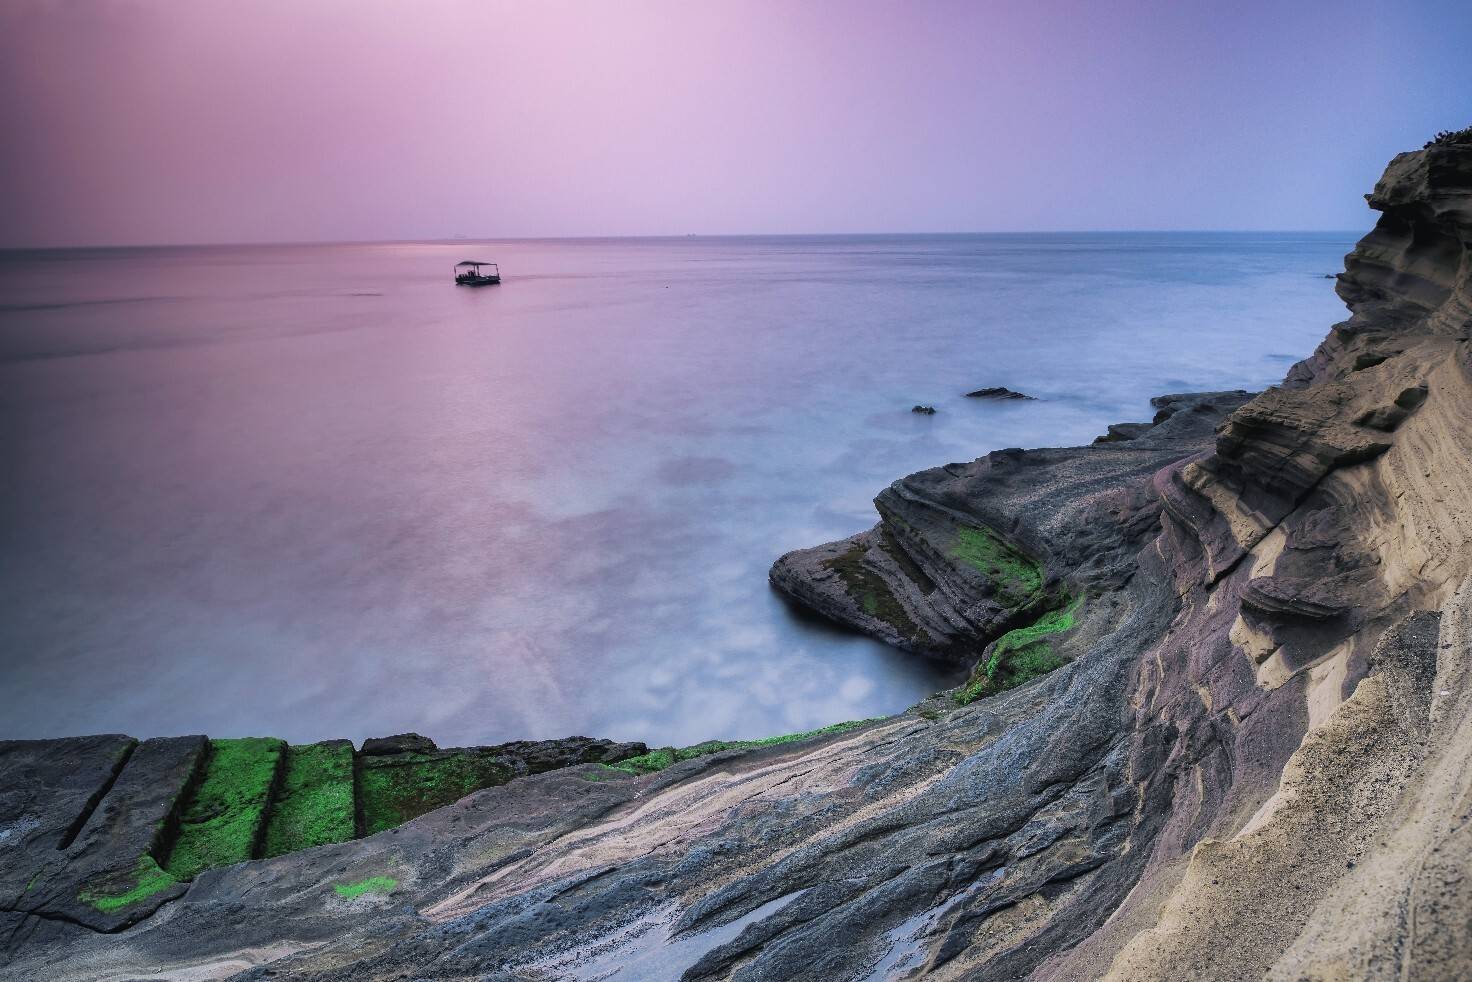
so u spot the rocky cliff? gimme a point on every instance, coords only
(1219, 725)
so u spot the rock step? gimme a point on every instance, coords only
(223, 821)
(48, 791)
(392, 789)
(396, 787)
(108, 876)
(316, 801)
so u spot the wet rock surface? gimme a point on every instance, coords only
(1252, 761)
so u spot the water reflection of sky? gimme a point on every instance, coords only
(319, 492)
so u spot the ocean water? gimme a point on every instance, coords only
(319, 491)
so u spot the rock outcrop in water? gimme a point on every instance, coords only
(1249, 753)
(998, 392)
(966, 552)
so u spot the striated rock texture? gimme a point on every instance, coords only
(966, 552)
(1248, 754)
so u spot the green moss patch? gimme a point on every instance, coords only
(148, 879)
(1018, 578)
(371, 885)
(314, 805)
(870, 592)
(397, 788)
(374, 884)
(222, 822)
(1020, 656)
(658, 760)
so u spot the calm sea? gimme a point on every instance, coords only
(319, 491)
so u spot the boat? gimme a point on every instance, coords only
(469, 273)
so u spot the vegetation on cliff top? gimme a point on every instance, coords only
(1451, 138)
(1020, 656)
(222, 823)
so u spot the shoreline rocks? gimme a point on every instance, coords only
(963, 553)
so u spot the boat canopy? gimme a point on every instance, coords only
(472, 262)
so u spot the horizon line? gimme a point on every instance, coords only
(679, 236)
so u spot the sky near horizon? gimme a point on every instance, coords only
(154, 121)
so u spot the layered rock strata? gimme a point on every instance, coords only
(1252, 760)
(965, 552)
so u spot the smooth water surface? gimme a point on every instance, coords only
(319, 491)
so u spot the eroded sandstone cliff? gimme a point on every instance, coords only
(1220, 727)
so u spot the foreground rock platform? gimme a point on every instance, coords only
(98, 833)
(1219, 727)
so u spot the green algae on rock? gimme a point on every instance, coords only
(373, 884)
(315, 803)
(148, 878)
(101, 831)
(870, 591)
(926, 579)
(223, 822)
(399, 787)
(1017, 577)
(1020, 655)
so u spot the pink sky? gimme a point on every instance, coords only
(128, 121)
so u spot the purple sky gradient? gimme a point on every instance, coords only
(148, 121)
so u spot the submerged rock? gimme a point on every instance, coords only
(925, 410)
